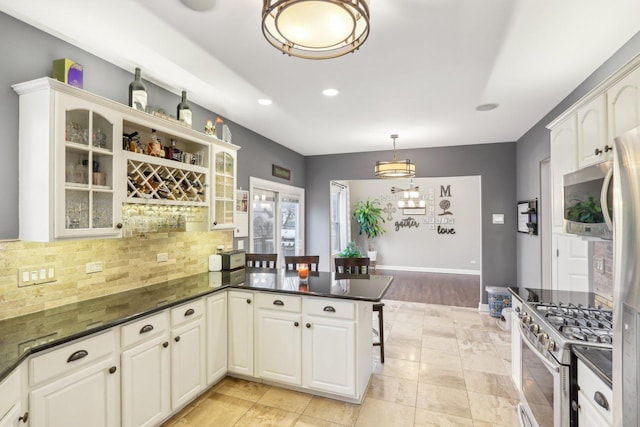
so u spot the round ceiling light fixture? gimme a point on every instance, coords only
(394, 168)
(315, 29)
(265, 101)
(330, 92)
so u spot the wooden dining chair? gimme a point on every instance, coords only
(291, 262)
(261, 260)
(360, 267)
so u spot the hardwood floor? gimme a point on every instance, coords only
(460, 290)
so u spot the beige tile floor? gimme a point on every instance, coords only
(444, 366)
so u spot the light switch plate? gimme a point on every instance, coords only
(498, 218)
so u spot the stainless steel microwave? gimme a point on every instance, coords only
(588, 201)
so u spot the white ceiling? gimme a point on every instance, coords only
(425, 67)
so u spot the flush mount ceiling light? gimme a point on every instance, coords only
(330, 92)
(315, 29)
(395, 168)
(410, 197)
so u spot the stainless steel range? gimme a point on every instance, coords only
(548, 329)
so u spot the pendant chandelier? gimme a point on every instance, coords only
(410, 197)
(315, 29)
(395, 168)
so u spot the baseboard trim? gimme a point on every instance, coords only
(428, 269)
(483, 308)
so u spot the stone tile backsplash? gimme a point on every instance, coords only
(603, 281)
(128, 263)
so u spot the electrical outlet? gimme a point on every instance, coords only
(36, 275)
(93, 267)
(162, 257)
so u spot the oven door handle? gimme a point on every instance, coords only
(543, 359)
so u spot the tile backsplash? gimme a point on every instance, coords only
(603, 280)
(128, 263)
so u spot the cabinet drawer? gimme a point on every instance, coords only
(143, 329)
(187, 312)
(70, 357)
(590, 384)
(280, 302)
(329, 307)
(9, 392)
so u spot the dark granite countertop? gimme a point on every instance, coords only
(31, 333)
(525, 295)
(596, 359)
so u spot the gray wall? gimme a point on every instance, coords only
(533, 147)
(495, 163)
(28, 54)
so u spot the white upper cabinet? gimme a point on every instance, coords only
(593, 145)
(623, 105)
(81, 178)
(564, 145)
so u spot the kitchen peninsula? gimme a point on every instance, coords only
(259, 324)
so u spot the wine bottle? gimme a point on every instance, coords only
(137, 93)
(184, 110)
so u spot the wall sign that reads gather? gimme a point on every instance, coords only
(408, 222)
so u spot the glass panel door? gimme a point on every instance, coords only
(276, 219)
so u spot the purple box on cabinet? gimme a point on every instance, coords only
(68, 71)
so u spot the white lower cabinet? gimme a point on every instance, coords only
(279, 338)
(595, 399)
(216, 337)
(240, 328)
(329, 344)
(80, 385)
(12, 394)
(145, 373)
(188, 353)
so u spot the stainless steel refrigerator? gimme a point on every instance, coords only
(626, 276)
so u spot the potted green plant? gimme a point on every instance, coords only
(368, 214)
(351, 251)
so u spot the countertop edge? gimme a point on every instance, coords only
(579, 352)
(97, 329)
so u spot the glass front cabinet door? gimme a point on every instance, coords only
(85, 139)
(224, 184)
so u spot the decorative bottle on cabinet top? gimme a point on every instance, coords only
(184, 110)
(137, 93)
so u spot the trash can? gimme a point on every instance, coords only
(499, 298)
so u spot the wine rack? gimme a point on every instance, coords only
(165, 183)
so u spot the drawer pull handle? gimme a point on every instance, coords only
(24, 418)
(165, 344)
(177, 339)
(601, 400)
(77, 355)
(329, 309)
(278, 302)
(112, 370)
(189, 312)
(146, 328)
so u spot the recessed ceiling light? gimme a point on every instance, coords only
(330, 92)
(265, 101)
(486, 107)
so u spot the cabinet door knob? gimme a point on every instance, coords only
(77, 355)
(165, 344)
(24, 418)
(146, 328)
(112, 370)
(597, 152)
(177, 339)
(608, 148)
(248, 301)
(119, 225)
(574, 406)
(296, 324)
(308, 325)
(189, 312)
